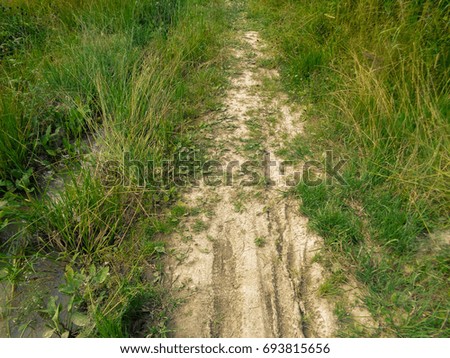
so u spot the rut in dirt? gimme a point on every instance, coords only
(243, 266)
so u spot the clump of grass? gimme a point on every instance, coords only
(260, 241)
(199, 226)
(85, 217)
(332, 286)
(328, 289)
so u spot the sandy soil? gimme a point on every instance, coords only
(248, 271)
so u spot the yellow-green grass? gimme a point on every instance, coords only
(375, 77)
(133, 77)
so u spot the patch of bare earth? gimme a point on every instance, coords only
(243, 267)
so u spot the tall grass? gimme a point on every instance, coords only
(134, 76)
(376, 74)
(52, 55)
(386, 64)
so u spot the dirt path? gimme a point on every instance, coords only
(242, 267)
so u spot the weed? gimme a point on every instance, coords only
(199, 226)
(331, 286)
(238, 206)
(260, 241)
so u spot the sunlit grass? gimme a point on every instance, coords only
(376, 75)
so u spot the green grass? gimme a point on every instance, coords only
(199, 226)
(133, 77)
(379, 77)
(260, 241)
(375, 74)
(85, 217)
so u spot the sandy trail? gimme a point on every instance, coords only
(243, 266)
